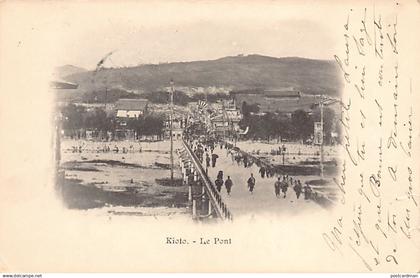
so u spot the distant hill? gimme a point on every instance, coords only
(66, 70)
(237, 72)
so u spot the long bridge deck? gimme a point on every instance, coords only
(211, 199)
(241, 203)
(263, 200)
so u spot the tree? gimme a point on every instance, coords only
(271, 125)
(73, 116)
(153, 125)
(157, 97)
(247, 109)
(181, 98)
(302, 125)
(77, 118)
(147, 125)
(98, 120)
(104, 95)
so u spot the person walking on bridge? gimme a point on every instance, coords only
(246, 162)
(284, 187)
(307, 191)
(297, 188)
(212, 147)
(207, 160)
(214, 157)
(262, 171)
(277, 186)
(220, 175)
(219, 184)
(228, 184)
(251, 183)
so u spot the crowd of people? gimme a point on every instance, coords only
(200, 149)
(282, 184)
(285, 182)
(206, 155)
(219, 183)
(106, 149)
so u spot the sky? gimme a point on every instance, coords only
(160, 32)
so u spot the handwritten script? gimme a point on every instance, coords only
(377, 212)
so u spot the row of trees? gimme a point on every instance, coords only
(181, 98)
(75, 118)
(105, 95)
(300, 126)
(147, 125)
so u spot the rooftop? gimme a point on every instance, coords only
(60, 84)
(305, 103)
(267, 103)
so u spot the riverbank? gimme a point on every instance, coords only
(125, 174)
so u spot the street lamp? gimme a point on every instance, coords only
(283, 152)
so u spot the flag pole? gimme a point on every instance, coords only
(171, 133)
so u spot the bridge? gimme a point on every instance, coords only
(206, 201)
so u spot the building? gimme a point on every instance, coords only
(232, 115)
(131, 108)
(220, 125)
(178, 126)
(225, 119)
(128, 109)
(280, 101)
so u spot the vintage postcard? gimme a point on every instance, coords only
(209, 136)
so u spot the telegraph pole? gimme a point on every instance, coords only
(106, 97)
(321, 105)
(206, 117)
(171, 133)
(225, 120)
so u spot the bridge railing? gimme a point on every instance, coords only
(215, 198)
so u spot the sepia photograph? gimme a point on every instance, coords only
(221, 136)
(207, 139)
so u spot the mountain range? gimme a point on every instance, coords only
(234, 72)
(66, 70)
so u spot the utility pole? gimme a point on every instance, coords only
(106, 98)
(171, 133)
(225, 120)
(207, 117)
(321, 105)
